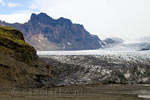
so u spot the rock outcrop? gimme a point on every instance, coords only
(19, 64)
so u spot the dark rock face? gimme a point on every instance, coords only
(46, 33)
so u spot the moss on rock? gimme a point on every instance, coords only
(19, 64)
(13, 39)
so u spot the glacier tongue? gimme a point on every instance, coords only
(98, 66)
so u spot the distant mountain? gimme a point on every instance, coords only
(46, 33)
(146, 43)
(128, 47)
(109, 42)
(117, 44)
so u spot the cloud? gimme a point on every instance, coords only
(12, 5)
(16, 17)
(9, 4)
(33, 7)
(2, 3)
(145, 39)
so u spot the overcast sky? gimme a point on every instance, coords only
(128, 19)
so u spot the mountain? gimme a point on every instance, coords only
(19, 64)
(113, 41)
(46, 33)
(145, 43)
(142, 46)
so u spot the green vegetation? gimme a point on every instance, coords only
(19, 64)
(10, 32)
(13, 39)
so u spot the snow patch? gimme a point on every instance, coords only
(68, 43)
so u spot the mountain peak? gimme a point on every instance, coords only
(41, 18)
(45, 19)
(63, 20)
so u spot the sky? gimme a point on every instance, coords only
(127, 19)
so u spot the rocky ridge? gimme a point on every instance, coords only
(46, 33)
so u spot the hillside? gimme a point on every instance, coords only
(19, 64)
(46, 33)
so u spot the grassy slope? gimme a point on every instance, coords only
(13, 40)
(19, 63)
